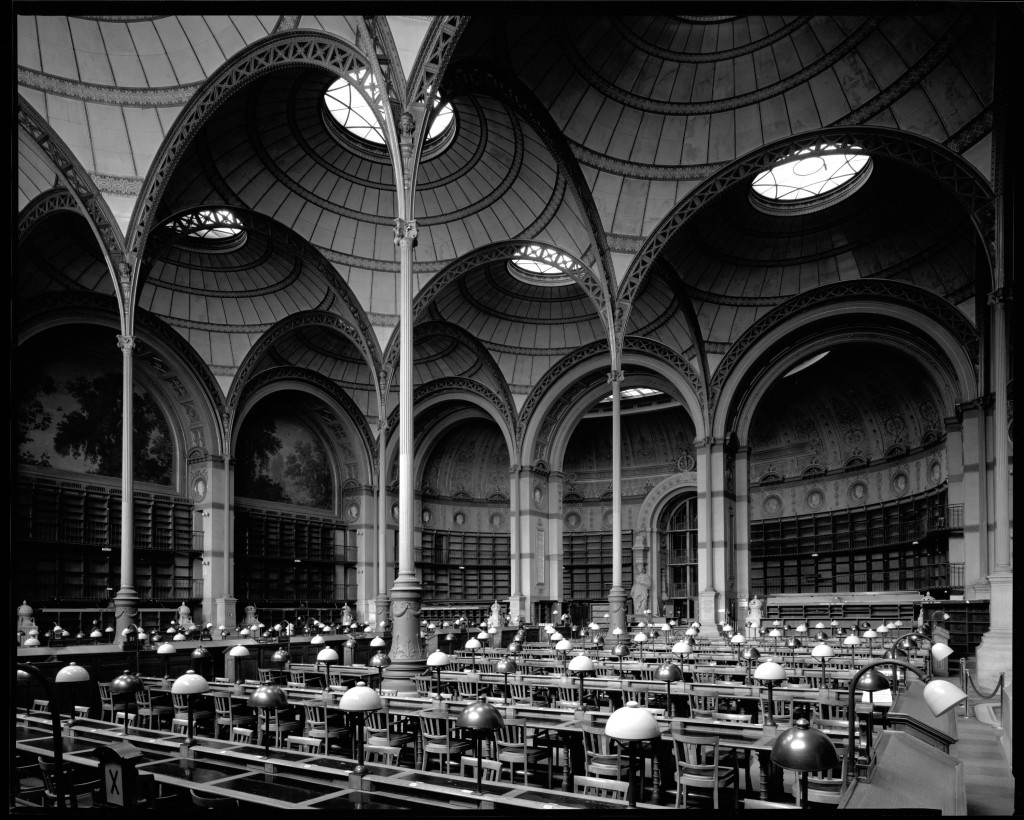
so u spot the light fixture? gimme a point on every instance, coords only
(71, 674)
(473, 644)
(632, 725)
(190, 684)
(749, 654)
(506, 667)
(267, 698)
(823, 652)
(380, 662)
(804, 749)
(238, 652)
(125, 684)
(359, 700)
(562, 648)
(853, 642)
(480, 719)
(640, 638)
(200, 655)
(582, 666)
(670, 673)
(770, 672)
(435, 661)
(327, 656)
(166, 649)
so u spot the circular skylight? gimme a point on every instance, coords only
(812, 176)
(353, 112)
(442, 119)
(537, 265)
(208, 223)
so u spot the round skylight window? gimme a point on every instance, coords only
(353, 113)
(208, 223)
(537, 265)
(811, 178)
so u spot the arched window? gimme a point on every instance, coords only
(679, 558)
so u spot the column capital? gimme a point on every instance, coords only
(405, 232)
(1000, 296)
(615, 376)
(126, 343)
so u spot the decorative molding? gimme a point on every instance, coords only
(117, 185)
(971, 133)
(456, 384)
(46, 204)
(643, 170)
(104, 94)
(287, 22)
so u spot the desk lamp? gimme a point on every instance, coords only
(819, 625)
(281, 658)
(491, 632)
(834, 624)
(683, 648)
(620, 650)
(804, 750)
(380, 662)
(562, 648)
(238, 652)
(770, 672)
(749, 654)
(515, 648)
(871, 681)
(436, 660)
(359, 700)
(639, 638)
(109, 631)
(793, 644)
(327, 656)
(71, 674)
(506, 667)
(190, 684)
(480, 720)
(823, 652)
(853, 642)
(199, 655)
(737, 641)
(166, 649)
(96, 635)
(869, 635)
(939, 696)
(775, 633)
(582, 666)
(317, 640)
(618, 633)
(632, 724)
(670, 673)
(125, 684)
(882, 631)
(267, 698)
(178, 636)
(473, 644)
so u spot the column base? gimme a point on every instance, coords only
(994, 654)
(407, 656)
(224, 609)
(517, 608)
(706, 613)
(382, 607)
(617, 614)
(126, 610)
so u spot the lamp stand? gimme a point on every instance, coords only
(771, 705)
(360, 768)
(266, 734)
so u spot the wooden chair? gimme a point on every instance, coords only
(603, 756)
(27, 785)
(703, 703)
(107, 703)
(269, 676)
(491, 768)
(567, 697)
(513, 745)
(81, 712)
(73, 786)
(201, 713)
(229, 715)
(240, 735)
(300, 743)
(601, 787)
(742, 754)
(386, 729)
(423, 688)
(823, 787)
(152, 710)
(783, 708)
(179, 726)
(441, 738)
(319, 724)
(698, 766)
(469, 689)
(40, 707)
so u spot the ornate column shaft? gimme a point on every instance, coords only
(514, 516)
(383, 600)
(742, 534)
(616, 595)
(126, 600)
(407, 594)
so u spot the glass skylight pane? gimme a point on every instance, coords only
(810, 173)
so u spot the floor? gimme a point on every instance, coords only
(990, 785)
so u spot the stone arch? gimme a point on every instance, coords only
(661, 495)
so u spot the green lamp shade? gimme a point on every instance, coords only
(126, 683)
(379, 661)
(268, 697)
(804, 749)
(871, 680)
(480, 716)
(620, 649)
(280, 656)
(200, 653)
(507, 666)
(750, 653)
(668, 673)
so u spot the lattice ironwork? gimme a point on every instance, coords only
(44, 205)
(451, 387)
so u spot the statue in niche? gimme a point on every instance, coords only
(346, 615)
(250, 619)
(26, 620)
(641, 590)
(184, 618)
(754, 606)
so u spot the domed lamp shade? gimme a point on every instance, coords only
(801, 628)
(199, 657)
(555, 637)
(823, 652)
(632, 725)
(280, 657)
(749, 654)
(267, 698)
(853, 642)
(775, 633)
(481, 636)
(359, 700)
(166, 649)
(317, 640)
(639, 638)
(940, 696)
(869, 635)
(190, 684)
(238, 652)
(380, 661)
(480, 719)
(670, 673)
(515, 648)
(125, 685)
(71, 674)
(378, 643)
(771, 673)
(435, 661)
(582, 666)
(506, 667)
(804, 749)
(682, 648)
(562, 648)
(793, 644)
(327, 656)
(819, 625)
(473, 644)
(180, 636)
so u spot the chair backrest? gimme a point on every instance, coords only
(297, 677)
(179, 726)
(703, 702)
(144, 698)
(601, 787)
(823, 787)
(511, 735)
(696, 758)
(220, 680)
(491, 768)
(520, 691)
(387, 755)
(731, 717)
(596, 742)
(268, 675)
(180, 703)
(469, 688)
(105, 696)
(304, 744)
(240, 735)
(389, 693)
(40, 705)
(81, 711)
(316, 716)
(434, 727)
